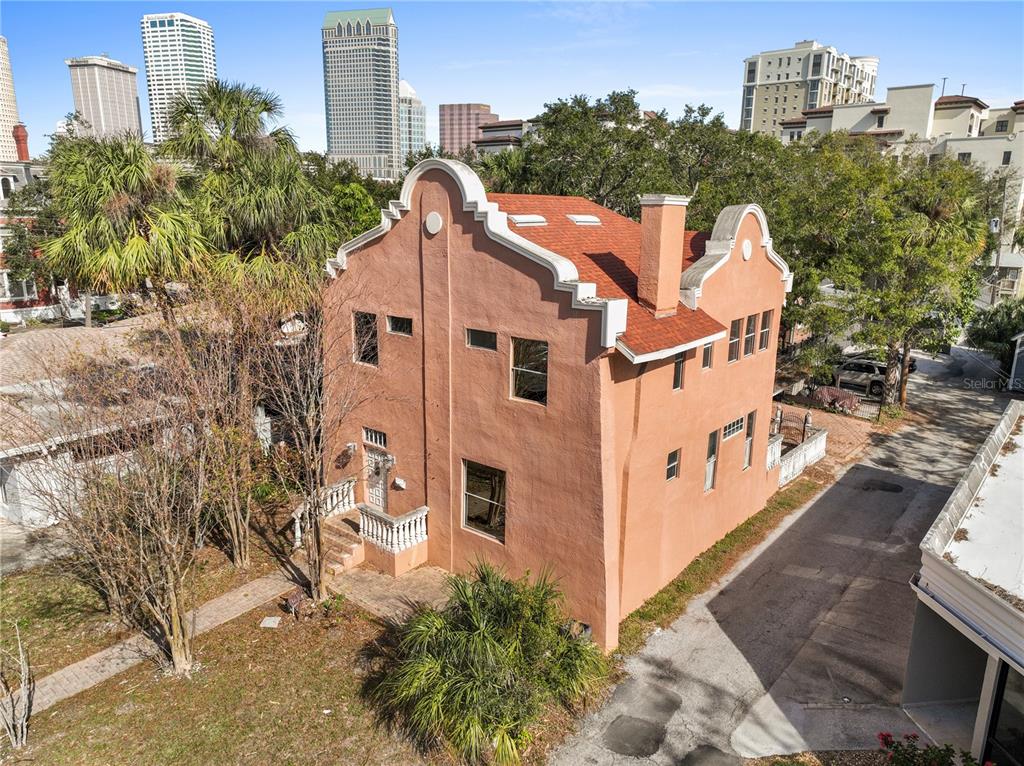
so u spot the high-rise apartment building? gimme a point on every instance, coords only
(180, 58)
(412, 121)
(779, 85)
(8, 107)
(460, 125)
(361, 95)
(106, 95)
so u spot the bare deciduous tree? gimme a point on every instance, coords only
(312, 385)
(16, 702)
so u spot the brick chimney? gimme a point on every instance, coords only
(662, 238)
(21, 142)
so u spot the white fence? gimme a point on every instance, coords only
(774, 451)
(809, 452)
(393, 534)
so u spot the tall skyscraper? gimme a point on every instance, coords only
(360, 51)
(180, 57)
(780, 85)
(8, 107)
(106, 95)
(412, 121)
(460, 124)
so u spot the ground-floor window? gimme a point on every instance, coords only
(484, 499)
(1006, 737)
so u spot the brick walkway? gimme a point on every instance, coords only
(93, 670)
(392, 597)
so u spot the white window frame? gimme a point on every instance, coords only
(375, 438)
(767, 317)
(678, 370)
(391, 327)
(750, 335)
(470, 343)
(465, 505)
(513, 370)
(707, 356)
(711, 463)
(748, 441)
(672, 464)
(6, 282)
(734, 340)
(732, 428)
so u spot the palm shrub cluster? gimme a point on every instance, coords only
(475, 675)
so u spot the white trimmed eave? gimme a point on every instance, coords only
(664, 353)
(721, 246)
(567, 278)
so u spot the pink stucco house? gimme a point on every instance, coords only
(556, 386)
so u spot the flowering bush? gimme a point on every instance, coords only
(907, 752)
(837, 399)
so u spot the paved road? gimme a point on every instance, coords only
(803, 645)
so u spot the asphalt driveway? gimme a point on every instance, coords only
(804, 644)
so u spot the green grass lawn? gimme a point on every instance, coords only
(261, 696)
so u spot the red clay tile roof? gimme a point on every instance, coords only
(608, 255)
(959, 101)
(819, 110)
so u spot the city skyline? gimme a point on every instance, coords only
(448, 60)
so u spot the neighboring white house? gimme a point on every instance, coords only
(965, 673)
(962, 127)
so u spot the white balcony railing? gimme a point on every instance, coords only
(774, 451)
(393, 534)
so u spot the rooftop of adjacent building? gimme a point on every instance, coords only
(405, 90)
(605, 249)
(988, 542)
(375, 16)
(814, 45)
(101, 60)
(175, 16)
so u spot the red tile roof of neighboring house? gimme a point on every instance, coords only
(609, 255)
(950, 101)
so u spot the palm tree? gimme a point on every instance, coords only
(260, 210)
(217, 125)
(125, 219)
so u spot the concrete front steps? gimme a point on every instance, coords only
(344, 545)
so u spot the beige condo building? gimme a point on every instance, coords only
(106, 95)
(781, 84)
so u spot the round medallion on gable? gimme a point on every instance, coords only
(748, 249)
(434, 222)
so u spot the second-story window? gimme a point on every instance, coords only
(880, 121)
(706, 359)
(482, 339)
(735, 328)
(677, 371)
(748, 337)
(365, 330)
(530, 370)
(672, 465)
(1002, 126)
(766, 329)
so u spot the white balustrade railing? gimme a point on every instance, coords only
(808, 452)
(337, 498)
(393, 534)
(774, 451)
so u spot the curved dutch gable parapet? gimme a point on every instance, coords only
(474, 200)
(719, 248)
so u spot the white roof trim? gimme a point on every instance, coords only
(528, 219)
(666, 352)
(719, 247)
(566, 276)
(584, 219)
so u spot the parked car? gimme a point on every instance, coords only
(863, 372)
(877, 356)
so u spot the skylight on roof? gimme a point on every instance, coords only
(585, 220)
(528, 219)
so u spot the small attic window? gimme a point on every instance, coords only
(585, 220)
(530, 219)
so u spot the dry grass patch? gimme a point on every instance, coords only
(261, 696)
(823, 758)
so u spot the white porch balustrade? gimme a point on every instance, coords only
(393, 534)
(774, 451)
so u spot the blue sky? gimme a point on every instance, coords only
(517, 56)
